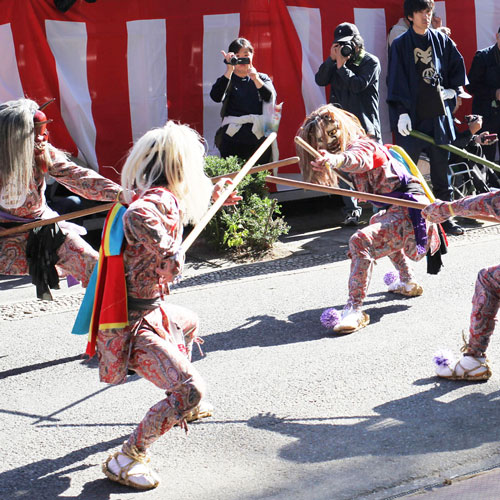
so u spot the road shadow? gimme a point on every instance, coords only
(48, 479)
(267, 331)
(8, 282)
(414, 425)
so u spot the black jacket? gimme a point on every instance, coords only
(355, 88)
(484, 78)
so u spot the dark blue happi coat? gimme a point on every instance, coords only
(403, 80)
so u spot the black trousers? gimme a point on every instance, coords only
(439, 157)
(232, 147)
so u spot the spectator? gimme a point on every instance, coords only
(484, 77)
(480, 178)
(403, 24)
(398, 29)
(425, 71)
(243, 91)
(353, 75)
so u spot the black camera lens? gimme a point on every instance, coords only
(347, 49)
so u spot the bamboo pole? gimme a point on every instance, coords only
(316, 154)
(453, 149)
(362, 196)
(260, 168)
(225, 192)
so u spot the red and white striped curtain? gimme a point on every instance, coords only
(119, 67)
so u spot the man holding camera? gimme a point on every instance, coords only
(353, 75)
(425, 72)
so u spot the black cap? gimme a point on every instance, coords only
(344, 32)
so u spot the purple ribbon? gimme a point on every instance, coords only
(418, 222)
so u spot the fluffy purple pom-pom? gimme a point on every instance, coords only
(390, 277)
(443, 359)
(330, 317)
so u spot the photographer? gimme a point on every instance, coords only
(483, 178)
(353, 75)
(243, 92)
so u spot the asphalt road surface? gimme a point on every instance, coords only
(299, 413)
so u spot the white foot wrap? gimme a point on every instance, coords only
(131, 470)
(466, 368)
(351, 321)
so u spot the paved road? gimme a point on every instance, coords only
(300, 414)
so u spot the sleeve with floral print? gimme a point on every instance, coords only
(84, 181)
(483, 204)
(360, 156)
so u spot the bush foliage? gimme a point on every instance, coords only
(253, 224)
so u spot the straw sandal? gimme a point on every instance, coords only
(476, 371)
(351, 321)
(142, 478)
(410, 289)
(202, 410)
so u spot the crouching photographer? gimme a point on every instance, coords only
(248, 101)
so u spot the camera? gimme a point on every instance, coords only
(490, 138)
(238, 60)
(347, 48)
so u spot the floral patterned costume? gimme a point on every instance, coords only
(76, 256)
(391, 232)
(157, 342)
(486, 299)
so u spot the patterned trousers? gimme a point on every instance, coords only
(389, 234)
(76, 257)
(485, 303)
(161, 361)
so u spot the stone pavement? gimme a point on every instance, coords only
(481, 486)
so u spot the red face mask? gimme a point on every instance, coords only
(41, 138)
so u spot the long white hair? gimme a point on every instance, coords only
(172, 156)
(17, 141)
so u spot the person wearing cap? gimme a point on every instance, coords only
(484, 77)
(353, 75)
(424, 73)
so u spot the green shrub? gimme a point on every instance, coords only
(253, 223)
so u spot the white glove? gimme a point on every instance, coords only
(404, 124)
(448, 94)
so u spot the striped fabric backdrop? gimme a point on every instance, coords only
(120, 67)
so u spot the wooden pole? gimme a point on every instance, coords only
(260, 168)
(316, 154)
(104, 208)
(225, 192)
(44, 222)
(360, 195)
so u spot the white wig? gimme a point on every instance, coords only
(172, 156)
(17, 140)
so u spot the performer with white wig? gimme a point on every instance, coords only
(26, 157)
(140, 255)
(396, 232)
